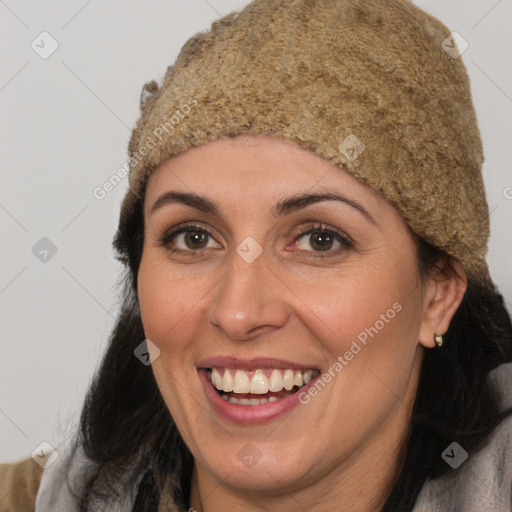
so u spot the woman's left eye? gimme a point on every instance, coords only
(320, 239)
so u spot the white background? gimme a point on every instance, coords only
(65, 126)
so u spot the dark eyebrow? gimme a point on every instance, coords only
(300, 201)
(283, 207)
(188, 199)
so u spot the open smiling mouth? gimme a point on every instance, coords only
(257, 387)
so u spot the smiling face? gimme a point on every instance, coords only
(246, 273)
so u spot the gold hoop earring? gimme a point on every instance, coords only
(439, 339)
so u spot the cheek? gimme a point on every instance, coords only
(171, 309)
(367, 323)
(367, 329)
(169, 304)
(359, 304)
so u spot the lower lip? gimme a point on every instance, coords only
(249, 414)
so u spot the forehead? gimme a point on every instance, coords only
(252, 165)
(255, 179)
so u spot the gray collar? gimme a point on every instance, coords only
(483, 482)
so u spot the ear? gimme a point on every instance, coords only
(442, 296)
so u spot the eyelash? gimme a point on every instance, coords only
(166, 238)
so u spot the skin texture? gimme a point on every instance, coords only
(340, 451)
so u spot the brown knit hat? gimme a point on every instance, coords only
(376, 87)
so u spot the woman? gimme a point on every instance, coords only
(308, 321)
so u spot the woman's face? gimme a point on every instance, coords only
(274, 284)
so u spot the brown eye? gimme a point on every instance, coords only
(319, 241)
(195, 239)
(188, 239)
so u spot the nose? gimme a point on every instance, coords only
(249, 300)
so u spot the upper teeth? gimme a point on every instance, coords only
(259, 381)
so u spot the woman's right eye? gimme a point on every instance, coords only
(186, 239)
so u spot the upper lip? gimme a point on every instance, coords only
(252, 363)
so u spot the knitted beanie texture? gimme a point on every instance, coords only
(376, 87)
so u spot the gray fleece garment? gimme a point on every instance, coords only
(483, 482)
